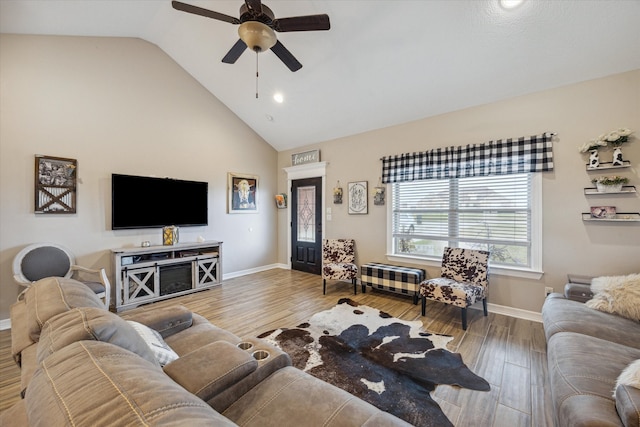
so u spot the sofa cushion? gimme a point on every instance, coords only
(54, 295)
(152, 338)
(582, 373)
(628, 405)
(562, 315)
(201, 333)
(166, 320)
(211, 369)
(276, 402)
(88, 323)
(617, 294)
(91, 383)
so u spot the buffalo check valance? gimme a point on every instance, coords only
(501, 157)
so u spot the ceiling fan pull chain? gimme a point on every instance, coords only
(256, 74)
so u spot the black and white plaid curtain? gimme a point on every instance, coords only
(501, 157)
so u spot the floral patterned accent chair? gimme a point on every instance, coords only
(464, 280)
(338, 261)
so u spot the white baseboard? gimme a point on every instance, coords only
(494, 308)
(511, 311)
(253, 270)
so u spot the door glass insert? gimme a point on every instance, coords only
(306, 214)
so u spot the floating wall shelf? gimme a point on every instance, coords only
(626, 189)
(620, 217)
(609, 165)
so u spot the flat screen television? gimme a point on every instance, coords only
(145, 202)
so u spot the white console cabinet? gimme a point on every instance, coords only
(144, 275)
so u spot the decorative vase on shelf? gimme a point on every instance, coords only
(616, 188)
(594, 159)
(617, 157)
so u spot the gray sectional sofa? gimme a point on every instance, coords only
(84, 366)
(587, 350)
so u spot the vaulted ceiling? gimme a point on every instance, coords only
(382, 63)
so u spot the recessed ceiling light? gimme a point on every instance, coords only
(510, 4)
(278, 97)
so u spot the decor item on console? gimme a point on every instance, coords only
(337, 194)
(243, 193)
(610, 184)
(55, 189)
(389, 362)
(170, 235)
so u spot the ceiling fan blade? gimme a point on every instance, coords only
(285, 56)
(302, 23)
(254, 6)
(232, 56)
(204, 12)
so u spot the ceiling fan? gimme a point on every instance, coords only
(257, 29)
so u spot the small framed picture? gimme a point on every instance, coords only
(55, 189)
(358, 203)
(601, 212)
(243, 193)
(281, 201)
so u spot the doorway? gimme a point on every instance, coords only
(306, 225)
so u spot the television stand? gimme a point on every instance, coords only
(154, 273)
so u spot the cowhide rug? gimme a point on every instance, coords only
(385, 361)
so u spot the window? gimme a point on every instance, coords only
(498, 213)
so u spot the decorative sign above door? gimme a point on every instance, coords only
(312, 156)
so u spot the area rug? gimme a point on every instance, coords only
(388, 362)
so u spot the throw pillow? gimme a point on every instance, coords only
(630, 376)
(617, 294)
(160, 349)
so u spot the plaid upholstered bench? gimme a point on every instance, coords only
(392, 278)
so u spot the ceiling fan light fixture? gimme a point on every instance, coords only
(257, 36)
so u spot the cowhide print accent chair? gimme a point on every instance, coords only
(338, 261)
(464, 280)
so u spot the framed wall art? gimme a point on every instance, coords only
(281, 201)
(243, 193)
(357, 192)
(55, 185)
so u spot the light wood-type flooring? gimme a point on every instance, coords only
(509, 353)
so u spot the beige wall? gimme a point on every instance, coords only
(119, 105)
(577, 113)
(123, 106)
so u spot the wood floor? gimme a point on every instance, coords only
(509, 353)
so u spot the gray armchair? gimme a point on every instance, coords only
(41, 260)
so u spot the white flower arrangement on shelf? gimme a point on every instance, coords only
(594, 144)
(617, 137)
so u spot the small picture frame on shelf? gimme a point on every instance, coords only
(602, 212)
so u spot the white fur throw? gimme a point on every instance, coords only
(617, 294)
(630, 376)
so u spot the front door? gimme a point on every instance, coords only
(306, 225)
